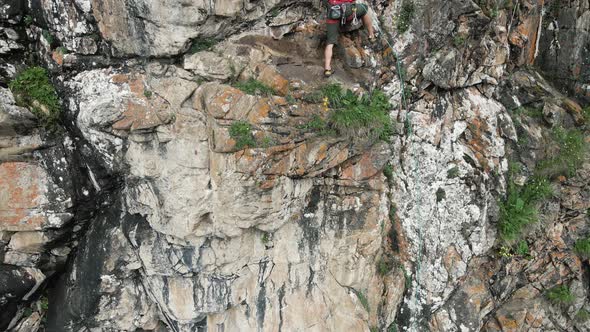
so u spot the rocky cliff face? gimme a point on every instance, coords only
(194, 179)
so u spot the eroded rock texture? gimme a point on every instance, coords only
(140, 213)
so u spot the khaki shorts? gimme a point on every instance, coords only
(333, 29)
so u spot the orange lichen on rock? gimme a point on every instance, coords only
(271, 77)
(22, 196)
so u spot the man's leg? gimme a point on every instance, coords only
(328, 57)
(369, 25)
(333, 30)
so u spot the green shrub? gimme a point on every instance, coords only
(406, 16)
(241, 132)
(147, 94)
(33, 89)
(572, 151)
(203, 44)
(560, 295)
(373, 329)
(392, 328)
(363, 299)
(519, 208)
(254, 87)
(582, 247)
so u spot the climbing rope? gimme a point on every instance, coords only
(410, 132)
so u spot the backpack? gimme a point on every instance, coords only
(337, 8)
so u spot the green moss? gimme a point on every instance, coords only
(392, 328)
(374, 329)
(384, 266)
(440, 194)
(265, 238)
(392, 211)
(363, 299)
(267, 142)
(388, 172)
(586, 115)
(290, 99)
(254, 87)
(202, 44)
(316, 124)
(33, 89)
(407, 279)
(560, 295)
(582, 247)
(406, 16)
(458, 40)
(519, 209)
(453, 173)
(241, 132)
(273, 13)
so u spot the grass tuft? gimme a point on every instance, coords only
(354, 116)
(363, 299)
(572, 151)
(351, 115)
(384, 266)
(33, 89)
(582, 315)
(28, 20)
(522, 248)
(203, 44)
(241, 132)
(406, 16)
(388, 172)
(582, 247)
(254, 87)
(519, 209)
(560, 295)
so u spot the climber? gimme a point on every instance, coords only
(343, 12)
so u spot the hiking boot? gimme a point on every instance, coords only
(328, 72)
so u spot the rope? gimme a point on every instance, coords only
(410, 132)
